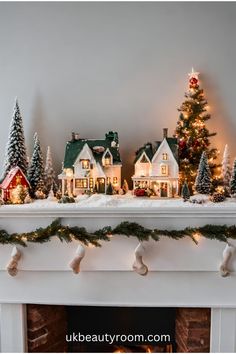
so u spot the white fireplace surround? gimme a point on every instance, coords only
(181, 274)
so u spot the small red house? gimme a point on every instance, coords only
(14, 177)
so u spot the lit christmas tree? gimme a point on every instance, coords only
(16, 150)
(36, 170)
(192, 134)
(226, 171)
(203, 179)
(233, 180)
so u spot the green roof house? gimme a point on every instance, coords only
(91, 164)
(157, 168)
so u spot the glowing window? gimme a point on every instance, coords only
(90, 182)
(85, 164)
(81, 183)
(107, 159)
(144, 159)
(164, 156)
(108, 180)
(115, 180)
(164, 170)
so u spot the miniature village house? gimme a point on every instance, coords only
(14, 178)
(156, 167)
(91, 165)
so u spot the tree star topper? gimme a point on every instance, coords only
(193, 78)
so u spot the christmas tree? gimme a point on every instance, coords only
(226, 171)
(185, 192)
(233, 180)
(192, 133)
(110, 189)
(16, 150)
(36, 170)
(49, 173)
(203, 179)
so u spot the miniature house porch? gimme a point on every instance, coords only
(181, 273)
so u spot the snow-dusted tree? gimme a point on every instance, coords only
(233, 180)
(16, 150)
(226, 170)
(36, 170)
(185, 192)
(110, 189)
(49, 173)
(203, 179)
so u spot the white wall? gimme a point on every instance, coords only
(92, 67)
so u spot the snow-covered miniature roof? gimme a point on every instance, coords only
(74, 147)
(11, 174)
(151, 149)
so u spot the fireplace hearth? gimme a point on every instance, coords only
(58, 328)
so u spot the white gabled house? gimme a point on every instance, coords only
(157, 168)
(91, 165)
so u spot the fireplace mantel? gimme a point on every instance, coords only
(181, 274)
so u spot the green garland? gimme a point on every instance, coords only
(129, 229)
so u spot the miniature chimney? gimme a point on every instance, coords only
(165, 133)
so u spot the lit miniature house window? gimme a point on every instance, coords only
(85, 164)
(108, 180)
(90, 182)
(81, 183)
(164, 170)
(115, 180)
(144, 159)
(164, 156)
(107, 159)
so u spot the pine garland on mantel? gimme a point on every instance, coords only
(129, 229)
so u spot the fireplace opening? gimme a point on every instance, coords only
(54, 328)
(121, 329)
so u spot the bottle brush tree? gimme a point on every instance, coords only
(226, 171)
(233, 180)
(15, 154)
(36, 169)
(203, 179)
(185, 192)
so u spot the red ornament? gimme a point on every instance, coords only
(193, 81)
(182, 144)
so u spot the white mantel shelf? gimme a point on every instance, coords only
(181, 274)
(67, 210)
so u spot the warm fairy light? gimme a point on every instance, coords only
(220, 189)
(197, 236)
(90, 245)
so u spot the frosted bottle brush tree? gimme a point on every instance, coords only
(49, 173)
(203, 179)
(192, 133)
(233, 181)
(226, 171)
(16, 150)
(36, 169)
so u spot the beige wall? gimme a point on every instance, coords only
(92, 67)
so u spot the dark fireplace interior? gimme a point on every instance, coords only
(118, 327)
(54, 328)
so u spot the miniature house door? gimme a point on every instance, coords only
(164, 189)
(101, 185)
